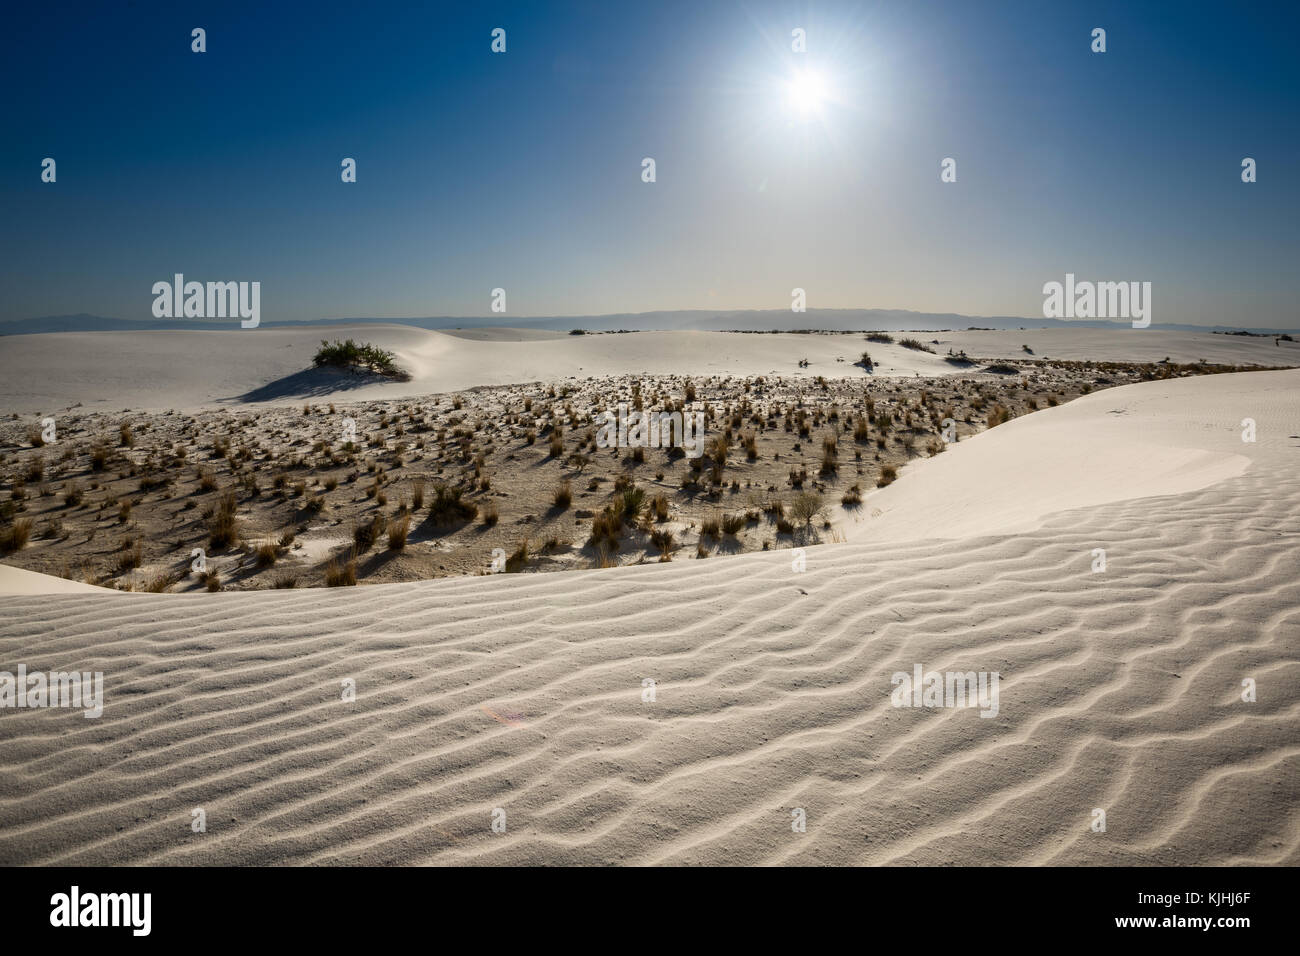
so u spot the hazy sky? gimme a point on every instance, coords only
(522, 170)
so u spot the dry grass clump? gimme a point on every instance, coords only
(341, 574)
(73, 494)
(14, 537)
(266, 554)
(397, 532)
(516, 561)
(417, 494)
(221, 530)
(490, 514)
(131, 556)
(915, 345)
(852, 497)
(448, 508)
(161, 582)
(365, 534)
(563, 495)
(888, 474)
(731, 524)
(999, 414)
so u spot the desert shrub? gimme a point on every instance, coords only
(366, 357)
(887, 476)
(732, 523)
(806, 506)
(490, 514)
(852, 497)
(915, 345)
(882, 337)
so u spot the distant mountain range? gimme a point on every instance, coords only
(773, 320)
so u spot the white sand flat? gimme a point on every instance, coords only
(111, 371)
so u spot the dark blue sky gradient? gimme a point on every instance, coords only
(522, 170)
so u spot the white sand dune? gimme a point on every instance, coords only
(1112, 445)
(1121, 690)
(19, 581)
(112, 371)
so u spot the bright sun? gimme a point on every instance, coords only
(806, 92)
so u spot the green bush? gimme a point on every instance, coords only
(349, 354)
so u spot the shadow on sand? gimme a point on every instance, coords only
(310, 383)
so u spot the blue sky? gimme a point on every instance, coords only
(523, 170)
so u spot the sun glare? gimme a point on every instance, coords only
(805, 93)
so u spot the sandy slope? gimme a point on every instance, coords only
(1120, 690)
(18, 581)
(41, 374)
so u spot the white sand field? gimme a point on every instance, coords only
(111, 371)
(1120, 691)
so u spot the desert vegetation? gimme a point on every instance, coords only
(438, 485)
